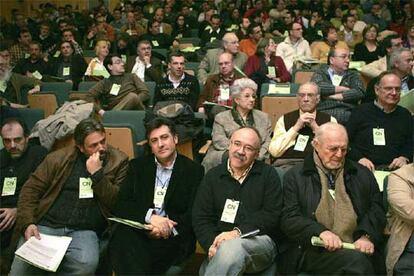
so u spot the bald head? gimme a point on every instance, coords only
(231, 43)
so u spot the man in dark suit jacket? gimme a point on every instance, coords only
(159, 191)
(144, 65)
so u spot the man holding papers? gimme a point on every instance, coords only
(70, 194)
(337, 200)
(237, 209)
(159, 191)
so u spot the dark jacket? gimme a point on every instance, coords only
(137, 194)
(260, 197)
(301, 196)
(78, 68)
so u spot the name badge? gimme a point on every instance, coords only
(3, 86)
(332, 193)
(37, 75)
(319, 32)
(212, 39)
(286, 33)
(26, 55)
(224, 93)
(159, 196)
(155, 43)
(336, 80)
(230, 210)
(129, 32)
(66, 71)
(115, 89)
(378, 134)
(85, 187)
(301, 142)
(272, 71)
(124, 58)
(9, 186)
(57, 53)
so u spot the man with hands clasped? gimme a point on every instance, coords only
(71, 193)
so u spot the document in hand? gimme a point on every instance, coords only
(316, 241)
(131, 223)
(46, 253)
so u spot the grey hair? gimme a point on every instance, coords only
(240, 84)
(310, 83)
(329, 126)
(396, 55)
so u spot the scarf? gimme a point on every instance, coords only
(239, 120)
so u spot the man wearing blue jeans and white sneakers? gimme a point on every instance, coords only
(70, 194)
(236, 211)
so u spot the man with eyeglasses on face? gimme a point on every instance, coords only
(381, 132)
(121, 91)
(338, 200)
(144, 64)
(236, 211)
(295, 130)
(341, 89)
(209, 65)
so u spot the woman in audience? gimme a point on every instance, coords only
(368, 50)
(409, 36)
(243, 93)
(180, 28)
(265, 66)
(96, 67)
(68, 66)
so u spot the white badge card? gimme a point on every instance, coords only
(9, 186)
(26, 55)
(230, 210)
(272, 71)
(378, 134)
(66, 71)
(115, 89)
(85, 187)
(155, 43)
(301, 142)
(124, 58)
(224, 93)
(37, 75)
(57, 53)
(212, 39)
(336, 80)
(159, 196)
(3, 86)
(332, 193)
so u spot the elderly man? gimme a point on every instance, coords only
(237, 208)
(159, 16)
(337, 200)
(209, 64)
(120, 91)
(294, 46)
(160, 191)
(341, 89)
(71, 194)
(18, 160)
(295, 130)
(380, 132)
(144, 64)
(400, 254)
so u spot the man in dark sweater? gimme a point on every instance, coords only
(380, 132)
(71, 194)
(178, 85)
(33, 66)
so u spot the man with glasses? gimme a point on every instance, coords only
(294, 46)
(381, 132)
(209, 65)
(295, 130)
(237, 208)
(341, 89)
(121, 91)
(144, 64)
(337, 200)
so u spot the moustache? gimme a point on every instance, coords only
(239, 156)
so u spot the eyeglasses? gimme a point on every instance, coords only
(343, 56)
(247, 148)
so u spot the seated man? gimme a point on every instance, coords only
(348, 34)
(380, 132)
(18, 159)
(320, 49)
(144, 64)
(34, 63)
(400, 252)
(209, 64)
(159, 190)
(249, 45)
(158, 40)
(213, 31)
(178, 85)
(121, 91)
(295, 130)
(52, 201)
(341, 89)
(239, 197)
(337, 200)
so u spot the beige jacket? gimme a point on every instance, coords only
(401, 221)
(374, 68)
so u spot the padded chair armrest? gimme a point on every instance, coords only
(203, 149)
(142, 143)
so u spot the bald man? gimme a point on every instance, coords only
(337, 200)
(210, 63)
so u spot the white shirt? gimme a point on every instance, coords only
(139, 68)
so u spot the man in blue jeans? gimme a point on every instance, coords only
(71, 194)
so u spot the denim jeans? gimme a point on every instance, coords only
(82, 256)
(236, 256)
